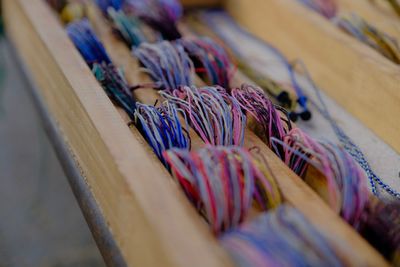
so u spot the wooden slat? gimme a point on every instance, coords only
(356, 76)
(349, 245)
(147, 213)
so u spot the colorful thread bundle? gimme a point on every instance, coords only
(129, 28)
(87, 43)
(161, 128)
(261, 242)
(115, 86)
(366, 33)
(213, 113)
(221, 182)
(346, 182)
(326, 8)
(381, 227)
(168, 64)
(272, 122)
(161, 15)
(210, 59)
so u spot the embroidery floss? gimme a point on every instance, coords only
(168, 65)
(269, 121)
(128, 27)
(162, 128)
(115, 86)
(211, 61)
(282, 237)
(161, 15)
(346, 181)
(213, 113)
(91, 49)
(220, 182)
(381, 227)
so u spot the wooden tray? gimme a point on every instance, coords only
(149, 217)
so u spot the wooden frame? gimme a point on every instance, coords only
(136, 195)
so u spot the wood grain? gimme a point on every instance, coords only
(357, 77)
(147, 213)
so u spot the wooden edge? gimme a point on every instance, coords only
(146, 212)
(357, 77)
(351, 248)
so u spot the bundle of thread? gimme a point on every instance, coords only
(168, 65)
(211, 61)
(162, 128)
(222, 182)
(161, 15)
(129, 28)
(271, 120)
(282, 237)
(90, 47)
(381, 227)
(113, 82)
(344, 183)
(366, 33)
(213, 113)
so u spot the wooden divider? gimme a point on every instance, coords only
(357, 77)
(151, 220)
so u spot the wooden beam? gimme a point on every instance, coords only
(352, 249)
(357, 77)
(152, 222)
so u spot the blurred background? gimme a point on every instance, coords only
(40, 221)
